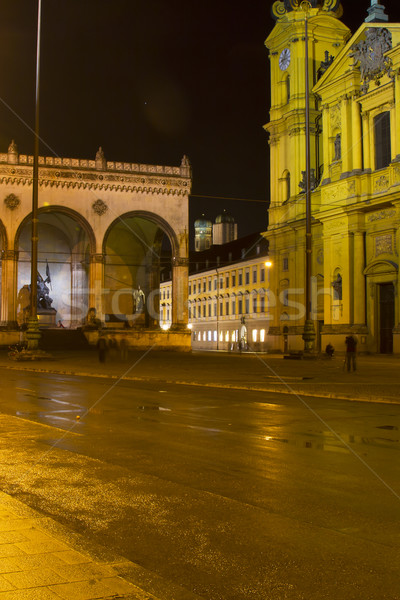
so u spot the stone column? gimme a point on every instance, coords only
(325, 142)
(367, 142)
(96, 278)
(358, 279)
(180, 270)
(9, 288)
(356, 135)
(79, 295)
(345, 137)
(396, 124)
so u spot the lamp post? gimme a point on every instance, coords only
(309, 330)
(32, 333)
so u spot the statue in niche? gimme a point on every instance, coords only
(337, 287)
(138, 300)
(338, 147)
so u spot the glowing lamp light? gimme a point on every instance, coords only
(268, 264)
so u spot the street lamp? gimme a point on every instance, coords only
(33, 333)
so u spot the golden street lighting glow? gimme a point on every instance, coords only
(190, 326)
(268, 264)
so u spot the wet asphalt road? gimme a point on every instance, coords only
(233, 495)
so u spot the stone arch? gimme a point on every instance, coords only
(66, 243)
(381, 267)
(156, 219)
(133, 253)
(69, 212)
(3, 237)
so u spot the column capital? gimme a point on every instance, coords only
(97, 258)
(9, 254)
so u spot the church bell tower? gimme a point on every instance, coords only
(286, 43)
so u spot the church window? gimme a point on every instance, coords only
(227, 307)
(254, 274)
(240, 277)
(287, 88)
(254, 335)
(255, 302)
(221, 309)
(209, 284)
(247, 305)
(215, 283)
(190, 288)
(240, 306)
(382, 140)
(262, 274)
(194, 288)
(233, 279)
(262, 335)
(247, 277)
(285, 265)
(204, 310)
(287, 184)
(227, 281)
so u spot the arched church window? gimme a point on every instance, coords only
(382, 140)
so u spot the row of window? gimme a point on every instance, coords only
(226, 336)
(234, 306)
(228, 279)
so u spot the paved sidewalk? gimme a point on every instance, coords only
(377, 378)
(37, 562)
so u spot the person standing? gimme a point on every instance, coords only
(102, 347)
(351, 352)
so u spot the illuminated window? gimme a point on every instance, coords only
(262, 335)
(254, 335)
(204, 336)
(215, 335)
(209, 336)
(227, 336)
(221, 336)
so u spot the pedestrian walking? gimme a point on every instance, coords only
(123, 348)
(102, 348)
(351, 352)
(113, 348)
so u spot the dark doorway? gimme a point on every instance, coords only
(386, 317)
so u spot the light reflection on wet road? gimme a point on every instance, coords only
(234, 495)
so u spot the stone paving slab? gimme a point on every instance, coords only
(41, 560)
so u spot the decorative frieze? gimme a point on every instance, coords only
(383, 244)
(382, 214)
(381, 183)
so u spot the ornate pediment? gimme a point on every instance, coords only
(370, 55)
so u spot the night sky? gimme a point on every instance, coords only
(149, 81)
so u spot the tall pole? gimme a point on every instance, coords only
(309, 332)
(32, 333)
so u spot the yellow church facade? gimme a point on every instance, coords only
(354, 141)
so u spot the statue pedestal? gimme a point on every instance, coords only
(46, 317)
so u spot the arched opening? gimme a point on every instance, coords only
(64, 247)
(137, 248)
